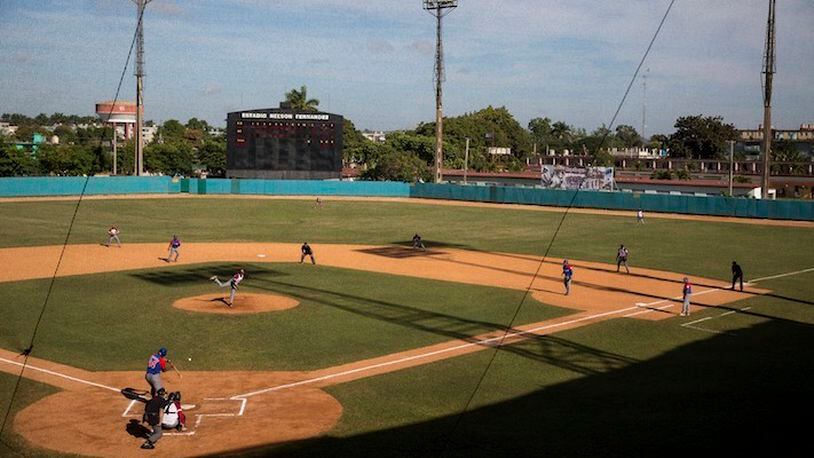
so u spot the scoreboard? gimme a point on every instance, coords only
(281, 143)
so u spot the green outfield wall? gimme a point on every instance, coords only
(665, 203)
(717, 206)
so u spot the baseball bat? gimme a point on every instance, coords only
(175, 369)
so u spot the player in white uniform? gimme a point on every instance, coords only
(233, 283)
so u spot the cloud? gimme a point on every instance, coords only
(380, 47)
(166, 7)
(212, 89)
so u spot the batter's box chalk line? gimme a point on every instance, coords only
(240, 410)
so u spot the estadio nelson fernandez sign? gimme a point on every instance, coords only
(294, 116)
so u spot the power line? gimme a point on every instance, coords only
(509, 327)
(26, 353)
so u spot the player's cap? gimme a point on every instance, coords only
(686, 279)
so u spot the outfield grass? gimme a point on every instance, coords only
(115, 320)
(696, 247)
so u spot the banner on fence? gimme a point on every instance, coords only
(562, 177)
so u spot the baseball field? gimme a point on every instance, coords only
(467, 348)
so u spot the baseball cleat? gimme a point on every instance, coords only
(213, 277)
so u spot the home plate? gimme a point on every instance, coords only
(261, 255)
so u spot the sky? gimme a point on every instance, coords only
(372, 61)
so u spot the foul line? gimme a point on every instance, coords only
(672, 299)
(811, 269)
(57, 374)
(530, 332)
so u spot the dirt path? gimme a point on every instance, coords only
(235, 410)
(421, 201)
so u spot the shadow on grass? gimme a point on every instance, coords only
(723, 396)
(196, 274)
(548, 349)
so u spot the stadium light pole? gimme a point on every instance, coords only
(138, 167)
(439, 9)
(768, 77)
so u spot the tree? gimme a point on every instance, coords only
(352, 141)
(628, 137)
(212, 155)
(169, 158)
(786, 151)
(702, 137)
(299, 100)
(172, 130)
(399, 166)
(16, 162)
(66, 160)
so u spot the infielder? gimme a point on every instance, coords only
(418, 244)
(155, 366)
(687, 292)
(567, 275)
(113, 234)
(232, 283)
(175, 244)
(621, 258)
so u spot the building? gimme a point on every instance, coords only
(803, 138)
(282, 143)
(375, 137)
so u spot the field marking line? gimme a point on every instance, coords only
(530, 332)
(57, 374)
(190, 433)
(129, 406)
(810, 269)
(712, 331)
(677, 298)
(696, 321)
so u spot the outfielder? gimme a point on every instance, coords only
(640, 217)
(233, 283)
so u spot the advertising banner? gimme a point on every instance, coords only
(592, 178)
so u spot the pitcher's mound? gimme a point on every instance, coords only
(244, 303)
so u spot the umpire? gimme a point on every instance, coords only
(737, 275)
(152, 416)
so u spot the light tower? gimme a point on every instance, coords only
(768, 76)
(138, 166)
(439, 9)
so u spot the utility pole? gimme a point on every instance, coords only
(466, 159)
(439, 9)
(731, 162)
(115, 140)
(138, 167)
(644, 104)
(768, 76)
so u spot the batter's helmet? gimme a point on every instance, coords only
(162, 351)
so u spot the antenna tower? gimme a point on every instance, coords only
(138, 166)
(439, 9)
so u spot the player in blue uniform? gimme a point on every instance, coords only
(567, 275)
(155, 366)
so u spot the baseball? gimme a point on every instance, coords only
(189, 359)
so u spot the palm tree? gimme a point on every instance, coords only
(299, 100)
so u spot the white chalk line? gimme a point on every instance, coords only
(691, 324)
(57, 374)
(530, 332)
(672, 299)
(810, 269)
(127, 410)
